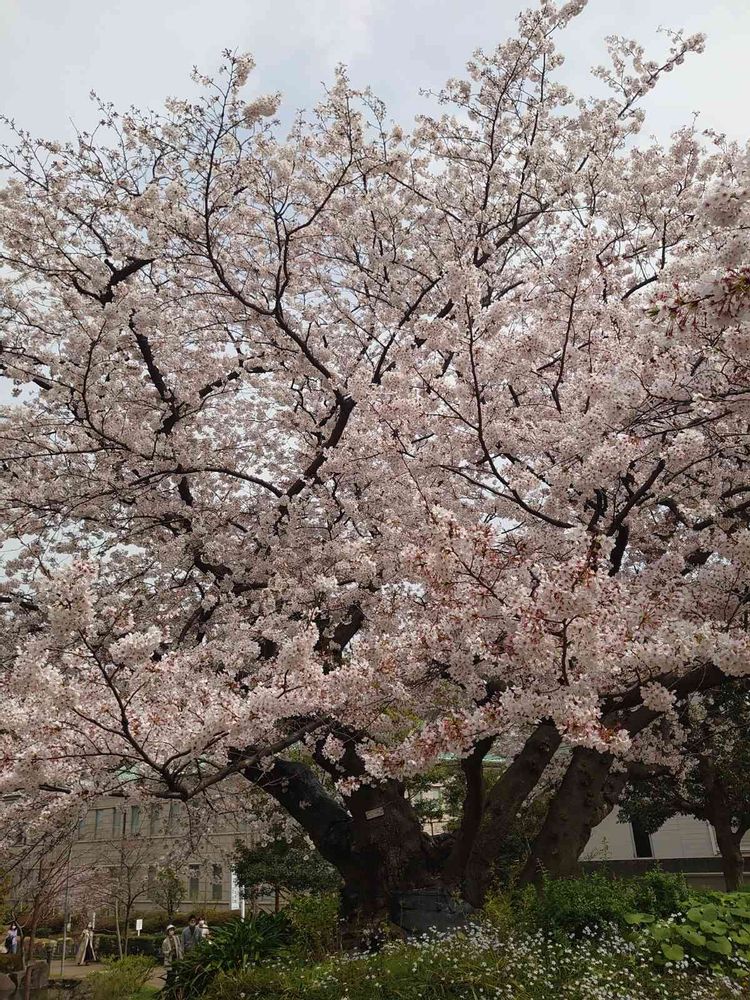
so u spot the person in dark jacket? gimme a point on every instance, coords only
(191, 936)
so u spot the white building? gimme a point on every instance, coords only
(681, 844)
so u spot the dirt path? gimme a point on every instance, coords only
(72, 972)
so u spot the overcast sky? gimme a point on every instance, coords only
(53, 52)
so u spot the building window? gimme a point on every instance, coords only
(154, 821)
(216, 882)
(173, 821)
(642, 841)
(151, 880)
(104, 824)
(193, 882)
(135, 821)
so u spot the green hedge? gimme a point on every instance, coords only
(146, 944)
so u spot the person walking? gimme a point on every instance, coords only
(86, 951)
(203, 929)
(191, 936)
(13, 939)
(171, 948)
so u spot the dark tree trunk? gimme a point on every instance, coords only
(475, 861)
(472, 812)
(732, 858)
(581, 802)
(377, 843)
(390, 852)
(720, 814)
(588, 793)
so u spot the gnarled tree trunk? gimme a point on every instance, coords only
(376, 843)
(581, 802)
(480, 854)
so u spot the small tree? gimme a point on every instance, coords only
(167, 891)
(713, 783)
(127, 884)
(290, 865)
(44, 874)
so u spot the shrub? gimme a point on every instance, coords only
(314, 922)
(500, 911)
(572, 905)
(123, 979)
(147, 944)
(234, 947)
(712, 930)
(658, 892)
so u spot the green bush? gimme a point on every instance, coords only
(146, 944)
(572, 906)
(658, 892)
(712, 930)
(121, 980)
(314, 924)
(232, 948)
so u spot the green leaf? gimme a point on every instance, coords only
(717, 927)
(695, 914)
(639, 918)
(660, 932)
(720, 946)
(673, 952)
(692, 936)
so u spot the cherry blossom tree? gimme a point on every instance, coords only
(337, 451)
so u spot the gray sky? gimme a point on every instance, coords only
(53, 52)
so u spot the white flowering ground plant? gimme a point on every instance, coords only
(480, 964)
